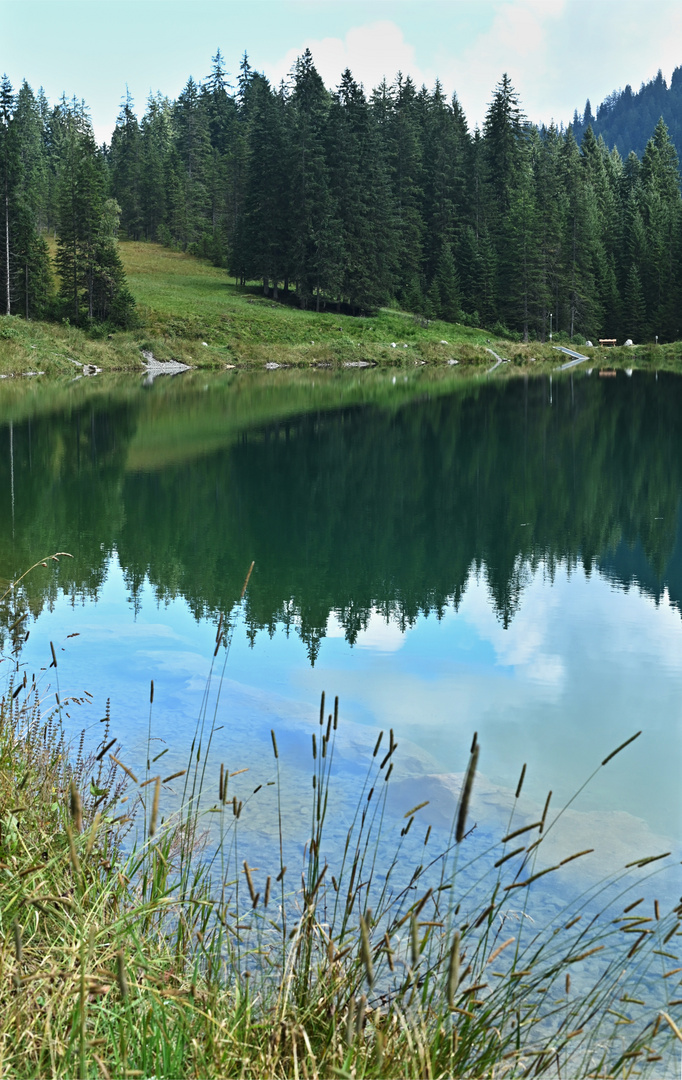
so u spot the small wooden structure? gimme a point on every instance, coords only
(607, 341)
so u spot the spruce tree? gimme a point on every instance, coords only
(523, 286)
(361, 191)
(32, 279)
(580, 308)
(267, 211)
(221, 110)
(317, 264)
(155, 154)
(447, 283)
(404, 155)
(92, 282)
(190, 164)
(9, 169)
(504, 154)
(125, 164)
(550, 200)
(634, 319)
(112, 301)
(660, 207)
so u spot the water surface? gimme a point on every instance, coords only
(447, 556)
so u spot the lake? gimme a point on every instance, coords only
(446, 555)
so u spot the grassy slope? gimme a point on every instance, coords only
(190, 311)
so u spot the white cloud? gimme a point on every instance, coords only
(524, 645)
(556, 52)
(371, 52)
(380, 635)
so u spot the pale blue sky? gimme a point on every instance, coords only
(557, 52)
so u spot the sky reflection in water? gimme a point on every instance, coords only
(550, 662)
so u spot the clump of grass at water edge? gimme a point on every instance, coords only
(137, 945)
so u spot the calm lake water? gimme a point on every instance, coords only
(446, 556)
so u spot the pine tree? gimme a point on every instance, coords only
(361, 191)
(317, 265)
(432, 302)
(221, 110)
(9, 168)
(503, 135)
(125, 163)
(404, 155)
(92, 282)
(413, 297)
(550, 202)
(155, 153)
(522, 250)
(32, 279)
(112, 301)
(236, 177)
(580, 308)
(660, 207)
(267, 211)
(504, 154)
(447, 283)
(190, 163)
(634, 320)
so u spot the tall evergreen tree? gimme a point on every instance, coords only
(580, 308)
(404, 153)
(155, 153)
(190, 164)
(504, 154)
(9, 170)
(91, 274)
(317, 265)
(661, 208)
(267, 205)
(33, 286)
(447, 283)
(125, 163)
(361, 191)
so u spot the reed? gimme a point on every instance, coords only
(154, 952)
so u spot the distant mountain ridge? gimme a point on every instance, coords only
(626, 119)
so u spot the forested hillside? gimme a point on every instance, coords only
(625, 119)
(350, 199)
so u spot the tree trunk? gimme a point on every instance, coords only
(8, 297)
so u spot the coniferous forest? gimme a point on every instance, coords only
(347, 199)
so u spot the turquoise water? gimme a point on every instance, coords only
(447, 557)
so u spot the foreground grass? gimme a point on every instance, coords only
(150, 954)
(190, 311)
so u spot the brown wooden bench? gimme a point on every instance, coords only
(607, 341)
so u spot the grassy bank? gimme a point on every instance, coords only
(138, 944)
(190, 311)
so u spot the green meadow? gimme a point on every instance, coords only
(191, 311)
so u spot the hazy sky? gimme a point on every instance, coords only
(557, 52)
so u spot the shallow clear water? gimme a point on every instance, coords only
(445, 556)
